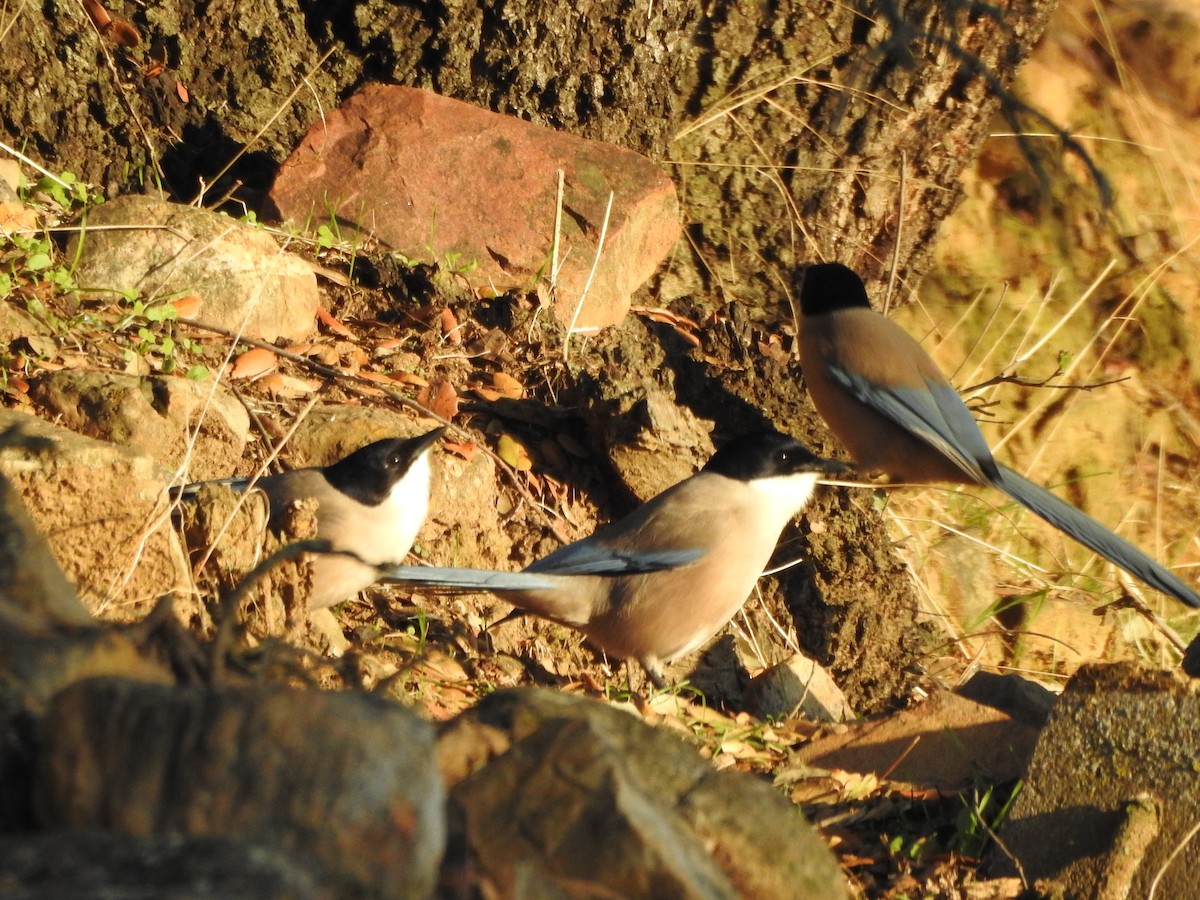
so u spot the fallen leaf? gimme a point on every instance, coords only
(14, 216)
(333, 324)
(486, 393)
(440, 398)
(122, 33)
(514, 453)
(273, 382)
(508, 386)
(409, 378)
(322, 353)
(188, 307)
(450, 326)
(254, 363)
(686, 335)
(561, 531)
(464, 449)
(389, 343)
(97, 13)
(297, 387)
(181, 92)
(377, 377)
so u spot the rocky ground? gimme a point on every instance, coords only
(551, 439)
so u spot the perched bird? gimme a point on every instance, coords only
(889, 404)
(718, 528)
(370, 506)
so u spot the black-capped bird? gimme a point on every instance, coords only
(370, 506)
(713, 533)
(888, 402)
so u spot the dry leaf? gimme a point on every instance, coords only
(254, 363)
(450, 326)
(291, 386)
(389, 343)
(122, 33)
(508, 386)
(323, 353)
(486, 393)
(409, 378)
(181, 92)
(377, 377)
(440, 398)
(97, 13)
(686, 335)
(333, 324)
(514, 453)
(188, 307)
(464, 449)
(14, 216)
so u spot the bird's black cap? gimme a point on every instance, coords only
(369, 473)
(828, 287)
(764, 454)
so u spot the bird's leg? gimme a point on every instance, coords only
(653, 672)
(515, 613)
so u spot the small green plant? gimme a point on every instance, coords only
(66, 191)
(980, 817)
(154, 340)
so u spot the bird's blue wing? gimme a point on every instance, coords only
(590, 557)
(935, 413)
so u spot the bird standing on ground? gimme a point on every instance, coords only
(891, 406)
(370, 506)
(718, 527)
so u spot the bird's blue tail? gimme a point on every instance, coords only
(574, 559)
(1093, 535)
(455, 579)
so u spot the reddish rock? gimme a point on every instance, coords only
(444, 181)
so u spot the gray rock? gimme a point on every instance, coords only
(159, 249)
(103, 509)
(1112, 789)
(798, 685)
(156, 415)
(343, 784)
(556, 791)
(105, 866)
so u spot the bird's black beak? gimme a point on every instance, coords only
(403, 452)
(422, 443)
(823, 466)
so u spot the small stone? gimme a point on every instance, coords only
(798, 685)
